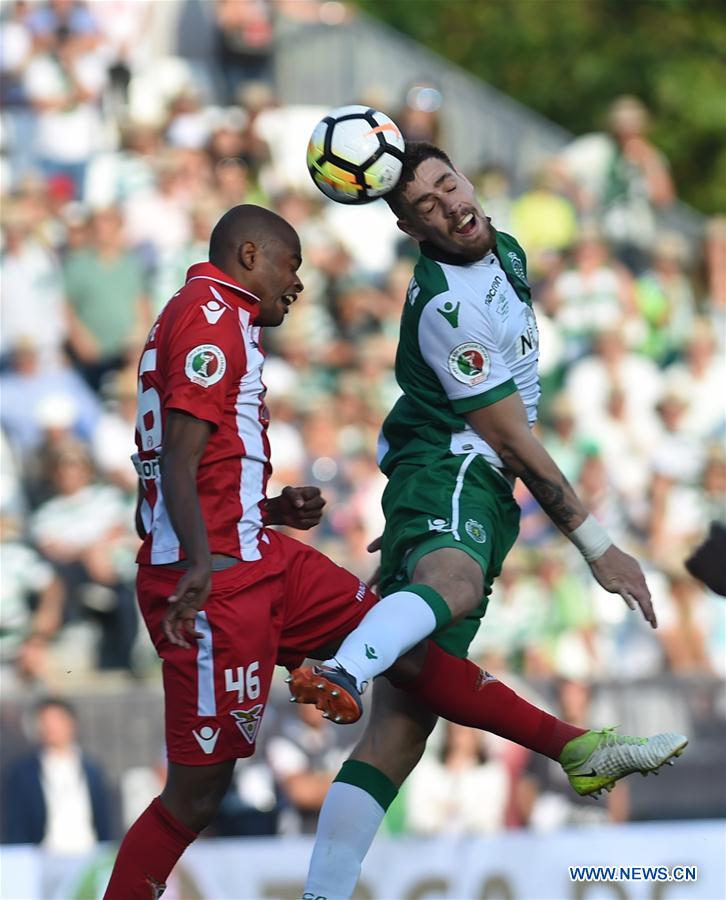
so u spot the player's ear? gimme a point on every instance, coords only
(247, 254)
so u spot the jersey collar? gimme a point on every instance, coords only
(210, 272)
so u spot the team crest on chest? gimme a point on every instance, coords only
(469, 363)
(205, 365)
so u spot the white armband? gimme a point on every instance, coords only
(591, 539)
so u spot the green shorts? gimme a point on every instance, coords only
(457, 501)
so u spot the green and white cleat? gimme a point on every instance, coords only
(594, 761)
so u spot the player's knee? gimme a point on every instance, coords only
(193, 796)
(198, 811)
(455, 576)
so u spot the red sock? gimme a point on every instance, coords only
(147, 854)
(458, 690)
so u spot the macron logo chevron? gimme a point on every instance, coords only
(206, 737)
(214, 309)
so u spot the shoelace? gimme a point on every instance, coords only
(612, 739)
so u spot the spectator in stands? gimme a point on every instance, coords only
(116, 176)
(31, 607)
(56, 796)
(593, 294)
(56, 20)
(543, 218)
(665, 299)
(164, 201)
(125, 28)
(571, 621)
(305, 756)
(64, 84)
(699, 377)
(623, 179)
(590, 381)
(245, 43)
(459, 790)
(113, 440)
(561, 438)
(84, 530)
(685, 624)
(28, 389)
(32, 306)
(418, 118)
(495, 190)
(625, 446)
(107, 303)
(16, 43)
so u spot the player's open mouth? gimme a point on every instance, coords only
(288, 300)
(466, 225)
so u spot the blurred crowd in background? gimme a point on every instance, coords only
(115, 166)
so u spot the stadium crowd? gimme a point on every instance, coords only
(116, 164)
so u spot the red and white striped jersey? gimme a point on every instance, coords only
(203, 357)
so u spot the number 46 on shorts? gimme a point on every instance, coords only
(244, 680)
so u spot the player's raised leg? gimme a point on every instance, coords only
(395, 737)
(447, 585)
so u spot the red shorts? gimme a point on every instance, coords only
(277, 610)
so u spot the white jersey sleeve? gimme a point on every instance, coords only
(459, 339)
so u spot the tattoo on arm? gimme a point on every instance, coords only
(551, 495)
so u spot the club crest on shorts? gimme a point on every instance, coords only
(475, 530)
(248, 721)
(469, 363)
(205, 365)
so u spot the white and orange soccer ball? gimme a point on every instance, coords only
(355, 154)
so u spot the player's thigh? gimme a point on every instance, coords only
(396, 732)
(215, 691)
(323, 602)
(449, 525)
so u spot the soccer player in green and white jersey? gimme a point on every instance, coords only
(451, 448)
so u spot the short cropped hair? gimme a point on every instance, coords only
(415, 153)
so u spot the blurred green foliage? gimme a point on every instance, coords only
(568, 59)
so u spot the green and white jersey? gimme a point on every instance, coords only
(468, 339)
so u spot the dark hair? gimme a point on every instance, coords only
(246, 222)
(414, 154)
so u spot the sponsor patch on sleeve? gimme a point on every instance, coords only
(469, 363)
(205, 365)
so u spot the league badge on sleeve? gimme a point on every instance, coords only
(469, 363)
(205, 365)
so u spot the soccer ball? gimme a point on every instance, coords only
(355, 154)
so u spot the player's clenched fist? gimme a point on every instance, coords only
(296, 507)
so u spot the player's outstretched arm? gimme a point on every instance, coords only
(504, 426)
(296, 507)
(185, 438)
